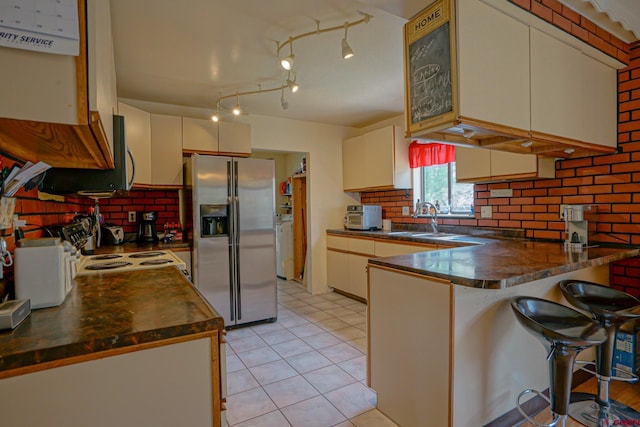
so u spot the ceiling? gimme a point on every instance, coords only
(192, 52)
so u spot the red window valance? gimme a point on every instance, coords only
(430, 154)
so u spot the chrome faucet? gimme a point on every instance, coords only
(434, 216)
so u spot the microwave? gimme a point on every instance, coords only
(363, 217)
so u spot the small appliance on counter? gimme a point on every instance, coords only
(147, 231)
(112, 234)
(44, 270)
(363, 217)
(579, 223)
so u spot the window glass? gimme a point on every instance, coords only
(439, 186)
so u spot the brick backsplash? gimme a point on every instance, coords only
(165, 202)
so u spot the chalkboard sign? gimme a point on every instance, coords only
(430, 67)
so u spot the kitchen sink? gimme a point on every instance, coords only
(442, 236)
(398, 233)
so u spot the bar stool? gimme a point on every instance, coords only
(610, 308)
(564, 332)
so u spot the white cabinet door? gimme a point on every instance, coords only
(199, 135)
(504, 163)
(493, 66)
(166, 150)
(472, 164)
(338, 270)
(379, 157)
(358, 275)
(556, 88)
(599, 103)
(234, 138)
(353, 165)
(137, 128)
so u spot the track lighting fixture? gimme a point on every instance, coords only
(283, 102)
(293, 85)
(347, 52)
(287, 63)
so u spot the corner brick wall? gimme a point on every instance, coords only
(610, 181)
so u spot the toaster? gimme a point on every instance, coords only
(111, 234)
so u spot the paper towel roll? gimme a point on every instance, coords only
(386, 224)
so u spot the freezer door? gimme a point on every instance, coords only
(256, 251)
(213, 271)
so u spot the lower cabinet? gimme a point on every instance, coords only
(347, 259)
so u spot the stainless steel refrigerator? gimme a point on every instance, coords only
(234, 259)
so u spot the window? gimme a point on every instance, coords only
(438, 185)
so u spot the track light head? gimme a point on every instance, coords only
(287, 63)
(215, 118)
(347, 52)
(237, 110)
(293, 86)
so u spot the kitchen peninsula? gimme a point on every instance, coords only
(122, 349)
(446, 311)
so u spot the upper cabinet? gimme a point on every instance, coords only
(482, 165)
(376, 160)
(155, 141)
(59, 108)
(221, 138)
(479, 76)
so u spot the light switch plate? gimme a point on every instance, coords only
(485, 212)
(405, 211)
(501, 192)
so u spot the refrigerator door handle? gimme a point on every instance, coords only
(232, 253)
(236, 234)
(231, 286)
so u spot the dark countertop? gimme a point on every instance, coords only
(108, 311)
(485, 262)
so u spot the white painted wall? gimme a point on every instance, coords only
(326, 202)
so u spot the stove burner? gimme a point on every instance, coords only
(107, 265)
(105, 256)
(159, 261)
(150, 254)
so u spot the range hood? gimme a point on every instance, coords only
(96, 183)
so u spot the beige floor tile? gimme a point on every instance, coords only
(332, 296)
(322, 340)
(272, 419)
(373, 418)
(331, 324)
(359, 343)
(356, 367)
(349, 333)
(278, 337)
(340, 352)
(290, 391)
(240, 381)
(352, 400)
(239, 333)
(326, 305)
(246, 344)
(305, 309)
(292, 348)
(265, 328)
(357, 307)
(329, 378)
(305, 330)
(292, 321)
(339, 311)
(354, 319)
(249, 404)
(315, 412)
(234, 363)
(317, 316)
(309, 361)
(294, 303)
(258, 356)
(284, 312)
(345, 424)
(272, 372)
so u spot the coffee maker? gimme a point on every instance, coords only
(147, 232)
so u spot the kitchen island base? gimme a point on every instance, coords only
(167, 385)
(459, 357)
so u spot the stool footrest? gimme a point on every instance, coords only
(555, 417)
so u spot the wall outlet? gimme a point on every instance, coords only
(405, 211)
(485, 212)
(501, 192)
(132, 216)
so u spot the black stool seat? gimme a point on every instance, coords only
(610, 308)
(564, 332)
